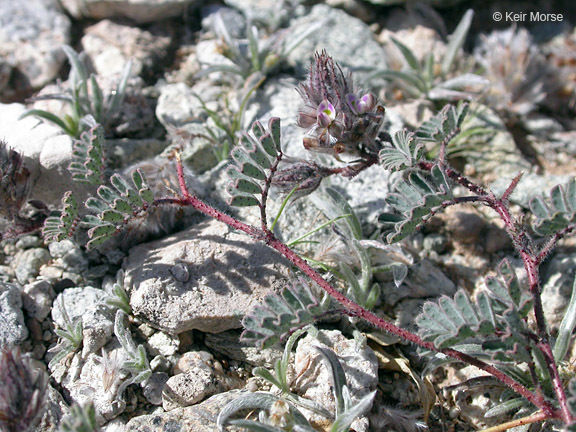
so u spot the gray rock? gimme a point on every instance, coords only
(115, 425)
(419, 39)
(197, 376)
(191, 387)
(178, 105)
(228, 344)
(424, 280)
(498, 154)
(208, 54)
(89, 386)
(435, 242)
(314, 380)
(56, 409)
(31, 34)
(267, 11)
(233, 20)
(47, 154)
(13, 330)
(27, 264)
(37, 299)
(279, 98)
(28, 242)
(161, 343)
(197, 152)
(463, 224)
(68, 256)
(197, 418)
(154, 387)
(126, 151)
(111, 45)
(88, 305)
(346, 39)
(136, 10)
(366, 192)
(228, 274)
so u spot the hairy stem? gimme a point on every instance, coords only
(404, 334)
(551, 244)
(531, 264)
(273, 168)
(268, 237)
(531, 259)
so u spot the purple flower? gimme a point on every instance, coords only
(337, 120)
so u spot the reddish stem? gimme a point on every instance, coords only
(276, 244)
(268, 237)
(531, 259)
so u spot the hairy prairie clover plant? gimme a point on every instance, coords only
(502, 331)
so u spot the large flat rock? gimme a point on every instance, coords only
(206, 278)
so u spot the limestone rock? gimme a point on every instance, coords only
(226, 274)
(13, 330)
(136, 10)
(31, 36)
(314, 379)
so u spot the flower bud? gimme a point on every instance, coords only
(300, 174)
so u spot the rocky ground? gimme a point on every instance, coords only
(190, 280)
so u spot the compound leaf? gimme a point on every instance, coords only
(280, 314)
(58, 228)
(254, 161)
(556, 212)
(404, 153)
(417, 198)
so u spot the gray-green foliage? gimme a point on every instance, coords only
(416, 198)
(227, 123)
(119, 297)
(497, 316)
(275, 414)
(88, 157)
(422, 80)
(82, 418)
(281, 313)
(116, 206)
(419, 195)
(136, 363)
(253, 158)
(71, 337)
(556, 212)
(442, 127)
(58, 228)
(405, 152)
(280, 413)
(256, 54)
(85, 98)
(361, 289)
